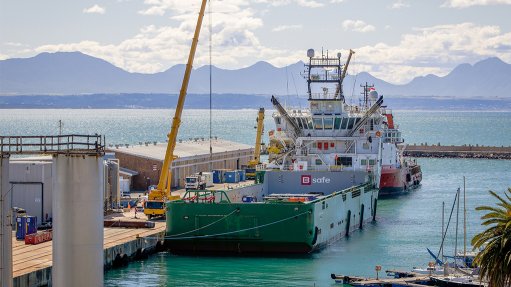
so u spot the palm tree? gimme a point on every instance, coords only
(495, 259)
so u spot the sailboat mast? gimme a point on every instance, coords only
(457, 220)
(442, 246)
(464, 223)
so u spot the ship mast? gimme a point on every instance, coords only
(314, 75)
(366, 87)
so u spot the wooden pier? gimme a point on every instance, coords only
(451, 151)
(408, 279)
(32, 263)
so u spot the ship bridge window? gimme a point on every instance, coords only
(344, 123)
(329, 123)
(337, 123)
(345, 161)
(371, 162)
(299, 122)
(309, 123)
(363, 162)
(318, 123)
(304, 123)
(350, 123)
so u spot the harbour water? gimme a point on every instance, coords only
(405, 225)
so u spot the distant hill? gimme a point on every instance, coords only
(74, 73)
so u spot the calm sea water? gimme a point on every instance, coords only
(405, 225)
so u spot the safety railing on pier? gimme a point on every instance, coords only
(60, 144)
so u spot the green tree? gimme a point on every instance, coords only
(495, 258)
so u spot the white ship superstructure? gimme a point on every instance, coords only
(330, 135)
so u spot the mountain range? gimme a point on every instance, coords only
(75, 73)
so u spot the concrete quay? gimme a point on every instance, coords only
(32, 264)
(464, 151)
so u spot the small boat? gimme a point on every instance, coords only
(344, 279)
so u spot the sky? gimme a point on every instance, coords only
(394, 40)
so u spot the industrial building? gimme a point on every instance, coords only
(32, 180)
(192, 156)
(31, 186)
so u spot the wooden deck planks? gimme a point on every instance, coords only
(30, 258)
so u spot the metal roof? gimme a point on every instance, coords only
(185, 149)
(127, 171)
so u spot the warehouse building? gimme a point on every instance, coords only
(31, 186)
(31, 182)
(192, 156)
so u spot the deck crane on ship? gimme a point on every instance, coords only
(256, 160)
(155, 205)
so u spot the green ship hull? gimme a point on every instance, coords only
(240, 227)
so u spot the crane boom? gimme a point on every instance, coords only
(176, 121)
(346, 66)
(257, 148)
(295, 129)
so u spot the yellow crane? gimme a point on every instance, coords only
(251, 170)
(155, 205)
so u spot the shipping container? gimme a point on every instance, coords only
(242, 174)
(217, 176)
(39, 237)
(31, 225)
(231, 177)
(21, 227)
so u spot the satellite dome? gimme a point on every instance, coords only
(373, 95)
(310, 53)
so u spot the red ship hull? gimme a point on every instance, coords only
(395, 180)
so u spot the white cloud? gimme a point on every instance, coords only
(310, 3)
(435, 49)
(469, 3)
(399, 4)
(357, 26)
(286, 27)
(96, 9)
(303, 3)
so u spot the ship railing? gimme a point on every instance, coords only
(385, 111)
(323, 77)
(325, 62)
(323, 96)
(290, 167)
(60, 144)
(260, 167)
(355, 109)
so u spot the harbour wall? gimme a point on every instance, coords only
(464, 151)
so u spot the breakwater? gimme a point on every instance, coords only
(451, 151)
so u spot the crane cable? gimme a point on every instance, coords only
(205, 226)
(210, 85)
